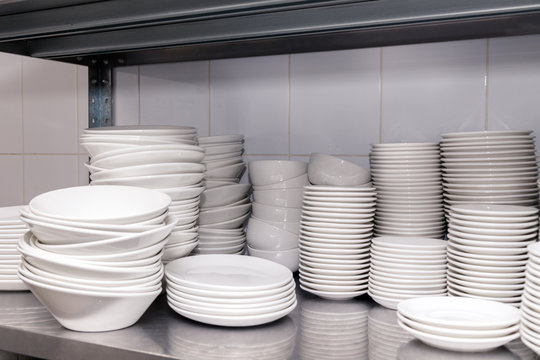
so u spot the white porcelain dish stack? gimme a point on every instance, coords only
(335, 238)
(272, 231)
(93, 255)
(385, 336)
(11, 230)
(164, 158)
(530, 301)
(333, 330)
(459, 324)
(406, 267)
(223, 159)
(230, 290)
(408, 180)
(487, 250)
(492, 167)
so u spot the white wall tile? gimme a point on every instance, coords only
(82, 102)
(11, 104)
(175, 94)
(44, 173)
(83, 170)
(250, 96)
(126, 95)
(429, 89)
(514, 83)
(11, 180)
(49, 106)
(335, 101)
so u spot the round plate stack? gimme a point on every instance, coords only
(164, 158)
(331, 330)
(230, 290)
(93, 255)
(385, 336)
(530, 302)
(223, 159)
(459, 324)
(406, 267)
(407, 177)
(335, 236)
(487, 250)
(11, 230)
(493, 167)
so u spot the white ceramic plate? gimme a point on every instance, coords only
(333, 295)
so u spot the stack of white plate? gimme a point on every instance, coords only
(408, 180)
(493, 167)
(530, 302)
(406, 267)
(223, 212)
(385, 336)
(335, 238)
(93, 255)
(230, 290)
(165, 158)
(11, 230)
(459, 324)
(273, 228)
(331, 330)
(487, 250)
(223, 159)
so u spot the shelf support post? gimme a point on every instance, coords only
(100, 92)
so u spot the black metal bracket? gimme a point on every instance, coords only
(100, 81)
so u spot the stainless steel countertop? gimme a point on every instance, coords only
(316, 329)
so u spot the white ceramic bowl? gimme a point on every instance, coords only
(290, 226)
(291, 197)
(223, 162)
(154, 181)
(217, 139)
(288, 258)
(146, 157)
(91, 311)
(267, 172)
(107, 203)
(326, 169)
(263, 236)
(296, 182)
(229, 171)
(221, 214)
(224, 195)
(276, 213)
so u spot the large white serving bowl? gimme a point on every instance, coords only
(276, 213)
(220, 214)
(107, 204)
(296, 182)
(155, 181)
(92, 311)
(326, 169)
(224, 195)
(291, 197)
(268, 172)
(144, 170)
(263, 236)
(288, 258)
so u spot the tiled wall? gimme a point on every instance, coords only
(341, 102)
(43, 107)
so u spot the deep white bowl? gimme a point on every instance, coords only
(276, 213)
(291, 197)
(143, 170)
(267, 172)
(224, 195)
(296, 182)
(228, 171)
(154, 181)
(263, 236)
(290, 226)
(288, 258)
(220, 214)
(326, 169)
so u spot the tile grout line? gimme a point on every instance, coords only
(139, 94)
(289, 107)
(380, 93)
(209, 98)
(486, 82)
(22, 129)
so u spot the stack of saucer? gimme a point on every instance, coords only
(164, 158)
(491, 167)
(11, 230)
(487, 250)
(407, 177)
(223, 159)
(406, 267)
(335, 238)
(384, 334)
(230, 290)
(530, 308)
(334, 330)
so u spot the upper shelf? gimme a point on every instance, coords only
(144, 31)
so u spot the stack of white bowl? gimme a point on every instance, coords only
(11, 230)
(385, 336)
(459, 324)
(230, 290)
(272, 231)
(530, 302)
(331, 330)
(487, 250)
(493, 167)
(223, 159)
(93, 255)
(165, 158)
(407, 177)
(406, 267)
